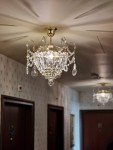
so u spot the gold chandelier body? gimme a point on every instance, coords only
(50, 60)
(103, 95)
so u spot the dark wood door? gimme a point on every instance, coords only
(55, 128)
(97, 129)
(17, 124)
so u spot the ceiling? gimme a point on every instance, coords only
(88, 23)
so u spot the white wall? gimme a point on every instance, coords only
(13, 73)
(75, 110)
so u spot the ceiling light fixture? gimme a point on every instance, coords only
(50, 60)
(103, 95)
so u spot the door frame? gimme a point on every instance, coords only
(82, 124)
(59, 108)
(18, 101)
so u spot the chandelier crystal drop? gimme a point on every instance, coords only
(103, 95)
(50, 60)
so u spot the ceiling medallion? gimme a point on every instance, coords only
(49, 59)
(102, 95)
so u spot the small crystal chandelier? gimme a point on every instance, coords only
(50, 60)
(103, 95)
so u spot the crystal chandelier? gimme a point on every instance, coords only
(50, 60)
(103, 95)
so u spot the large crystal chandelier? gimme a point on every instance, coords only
(50, 60)
(103, 95)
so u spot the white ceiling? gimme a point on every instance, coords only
(88, 23)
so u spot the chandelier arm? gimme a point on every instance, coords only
(29, 60)
(70, 53)
(43, 41)
(59, 48)
(33, 43)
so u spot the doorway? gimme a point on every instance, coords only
(17, 124)
(55, 128)
(97, 129)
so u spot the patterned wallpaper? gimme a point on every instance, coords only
(13, 73)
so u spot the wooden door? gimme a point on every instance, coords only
(97, 129)
(55, 128)
(17, 124)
